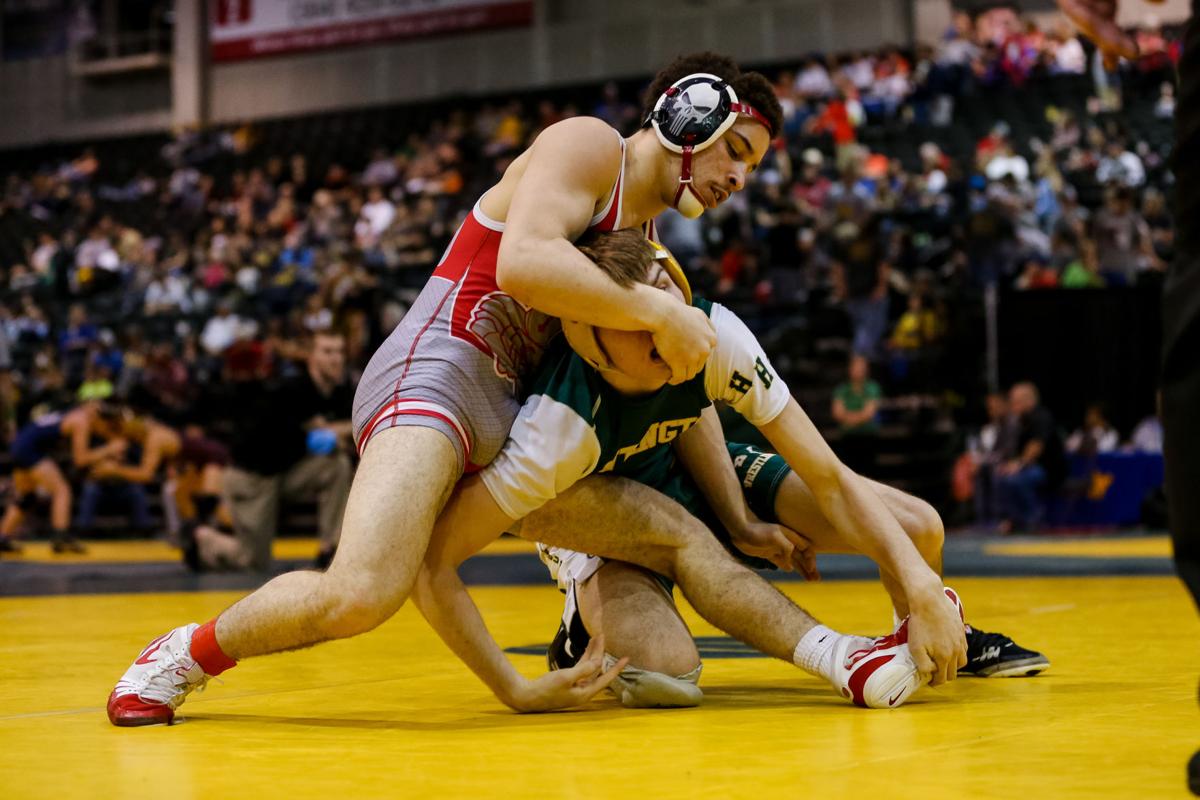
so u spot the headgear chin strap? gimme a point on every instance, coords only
(692, 114)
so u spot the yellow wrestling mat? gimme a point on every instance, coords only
(1123, 547)
(393, 714)
(152, 551)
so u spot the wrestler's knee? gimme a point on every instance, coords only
(924, 526)
(351, 607)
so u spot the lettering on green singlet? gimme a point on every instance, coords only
(740, 383)
(658, 433)
(763, 373)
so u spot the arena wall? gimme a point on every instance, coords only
(570, 42)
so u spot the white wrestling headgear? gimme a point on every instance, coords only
(692, 114)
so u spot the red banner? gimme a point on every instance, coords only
(243, 29)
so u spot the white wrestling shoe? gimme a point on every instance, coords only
(876, 673)
(157, 682)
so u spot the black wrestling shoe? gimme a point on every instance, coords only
(569, 643)
(7, 545)
(994, 655)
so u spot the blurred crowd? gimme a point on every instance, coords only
(222, 255)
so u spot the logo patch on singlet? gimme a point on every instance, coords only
(514, 334)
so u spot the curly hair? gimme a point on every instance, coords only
(751, 87)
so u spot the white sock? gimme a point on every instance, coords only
(815, 652)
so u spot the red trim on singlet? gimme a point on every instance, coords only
(394, 409)
(437, 311)
(614, 210)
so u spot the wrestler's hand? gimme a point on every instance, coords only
(778, 544)
(569, 687)
(804, 556)
(684, 339)
(936, 636)
(1097, 20)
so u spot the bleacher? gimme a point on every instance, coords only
(918, 442)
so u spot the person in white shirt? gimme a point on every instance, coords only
(1096, 435)
(376, 215)
(813, 81)
(221, 330)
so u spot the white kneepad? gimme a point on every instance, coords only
(639, 688)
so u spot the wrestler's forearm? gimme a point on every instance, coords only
(850, 505)
(552, 276)
(865, 523)
(470, 520)
(445, 603)
(702, 451)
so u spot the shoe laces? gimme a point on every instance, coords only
(165, 684)
(868, 647)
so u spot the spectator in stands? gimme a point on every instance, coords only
(1121, 166)
(376, 215)
(1164, 108)
(1037, 465)
(1160, 223)
(1005, 161)
(812, 188)
(290, 442)
(76, 340)
(933, 169)
(42, 258)
(1069, 58)
(1122, 240)
(613, 110)
(683, 237)
(1083, 271)
(97, 383)
(221, 330)
(856, 402)
(1037, 274)
(813, 81)
(381, 171)
(992, 446)
(860, 277)
(839, 118)
(1148, 435)
(1096, 435)
(917, 328)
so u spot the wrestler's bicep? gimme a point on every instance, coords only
(571, 167)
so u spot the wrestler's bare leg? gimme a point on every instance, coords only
(49, 477)
(404, 479)
(23, 484)
(620, 519)
(796, 507)
(638, 619)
